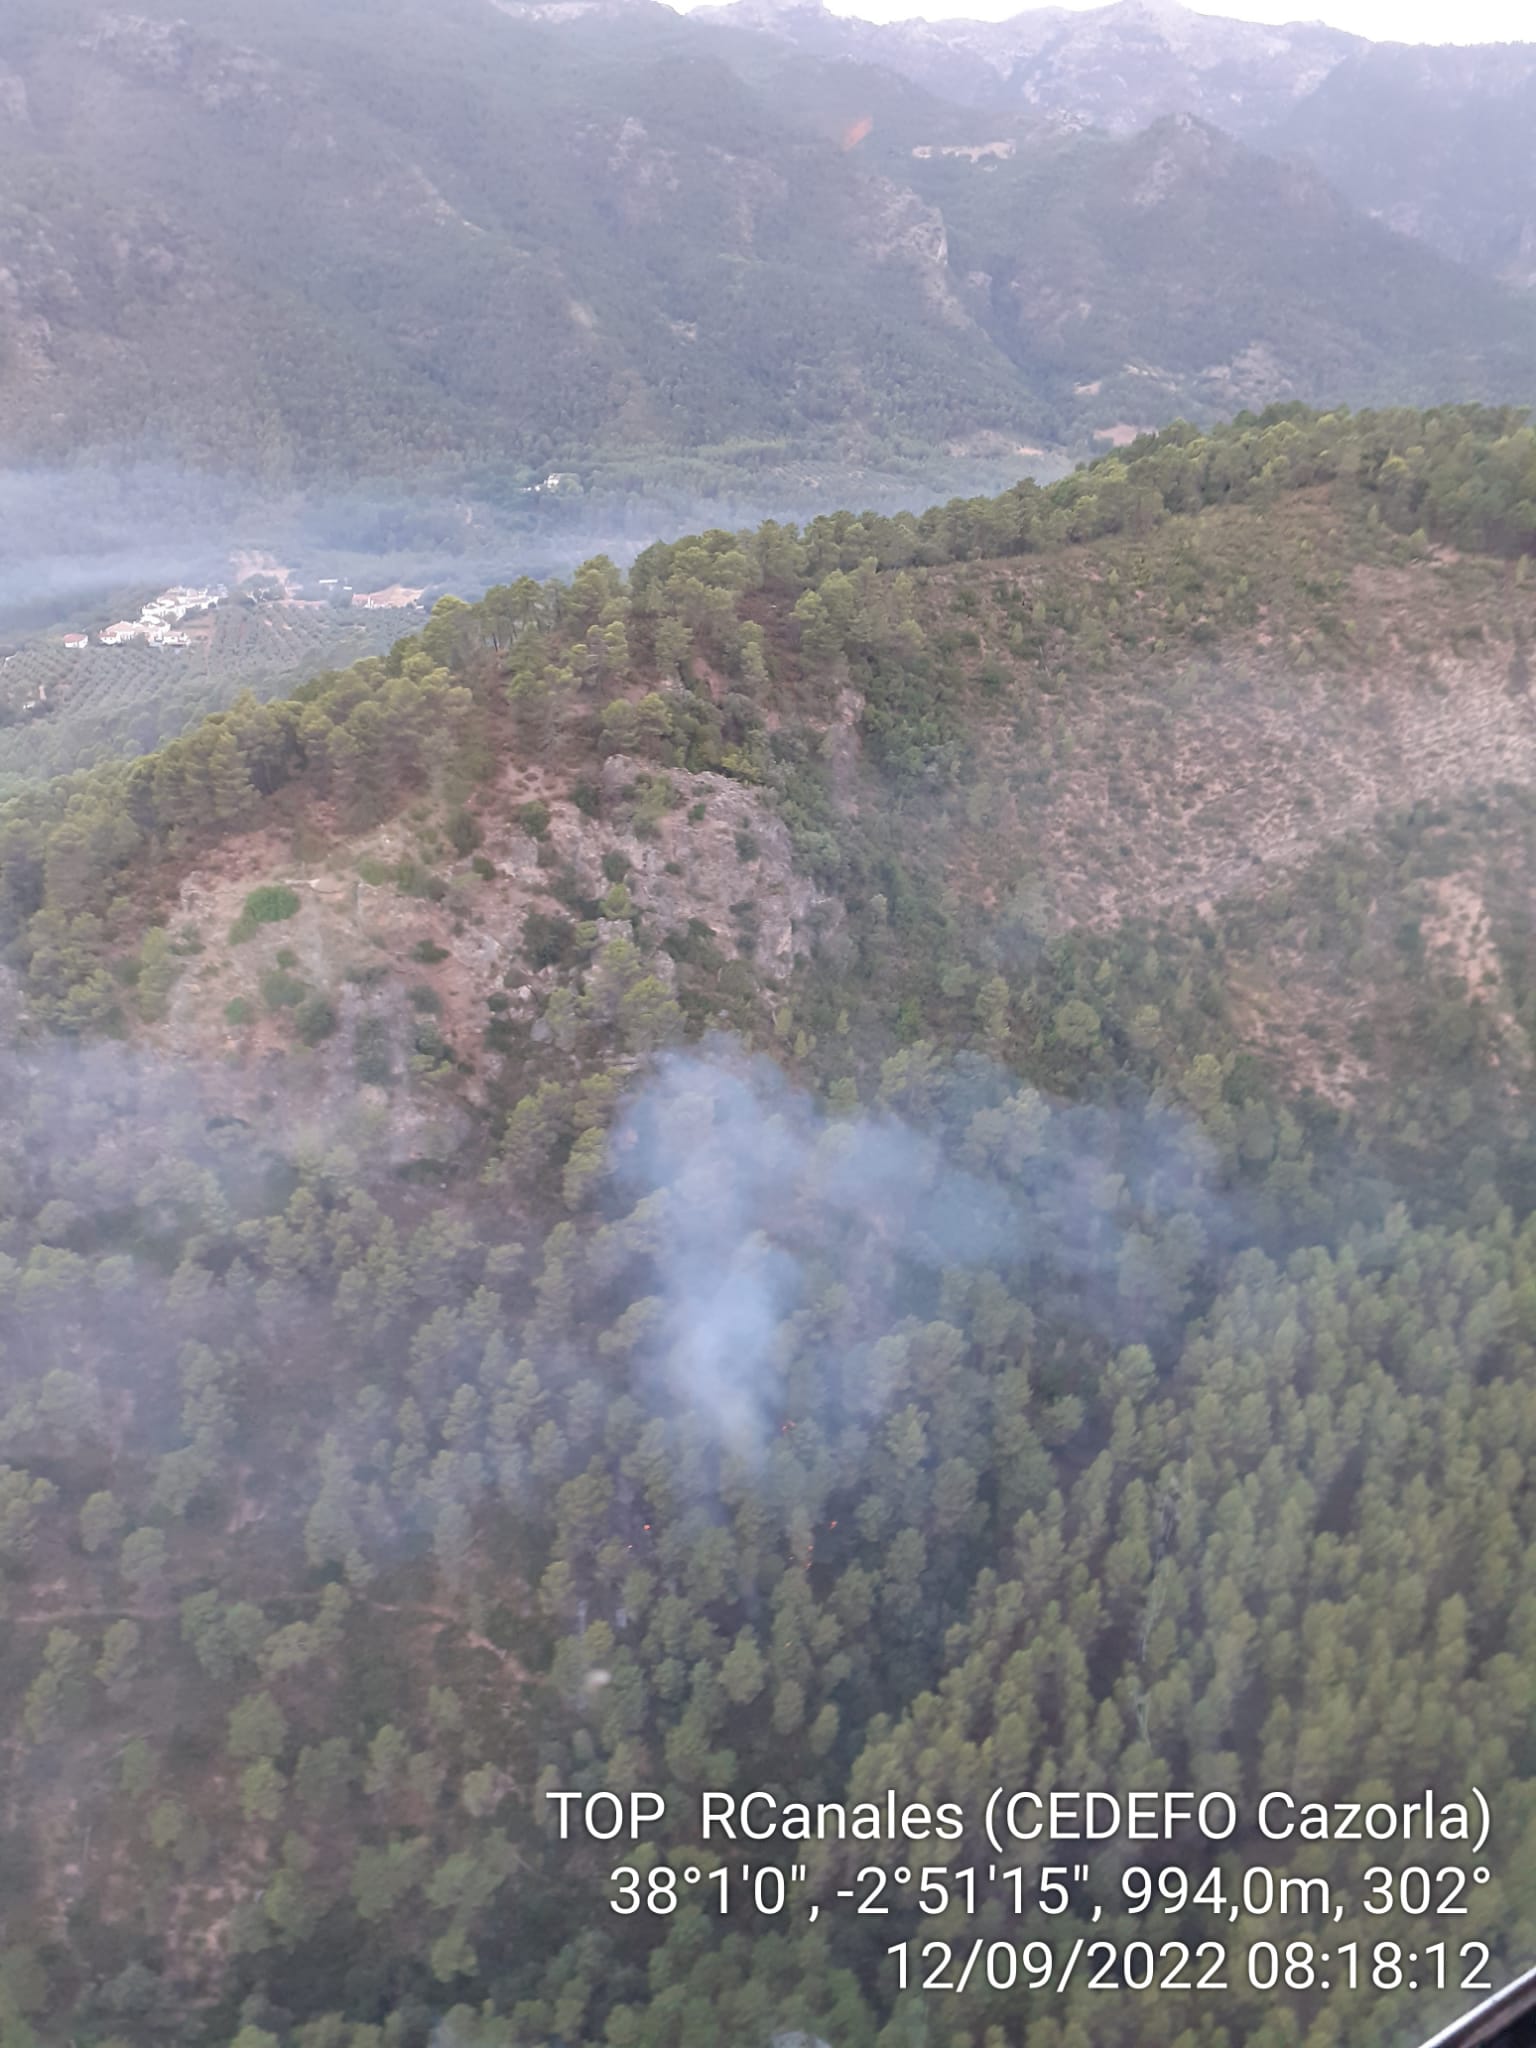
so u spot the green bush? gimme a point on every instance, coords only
(463, 831)
(431, 1051)
(240, 1010)
(281, 990)
(427, 952)
(271, 904)
(370, 1053)
(546, 939)
(314, 1020)
(414, 880)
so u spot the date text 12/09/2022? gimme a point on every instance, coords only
(1176, 1966)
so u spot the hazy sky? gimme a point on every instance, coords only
(1404, 21)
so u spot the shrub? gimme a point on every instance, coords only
(281, 990)
(370, 1052)
(427, 953)
(534, 818)
(546, 939)
(413, 880)
(271, 904)
(463, 831)
(425, 999)
(240, 1010)
(695, 946)
(431, 1051)
(314, 1020)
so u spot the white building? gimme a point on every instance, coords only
(160, 615)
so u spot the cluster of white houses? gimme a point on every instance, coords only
(159, 621)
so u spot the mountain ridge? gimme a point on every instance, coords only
(527, 246)
(1425, 137)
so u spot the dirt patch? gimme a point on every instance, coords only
(256, 562)
(1459, 932)
(1216, 778)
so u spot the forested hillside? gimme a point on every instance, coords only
(897, 1154)
(1429, 138)
(359, 244)
(1430, 141)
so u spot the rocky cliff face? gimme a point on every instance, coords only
(215, 73)
(898, 228)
